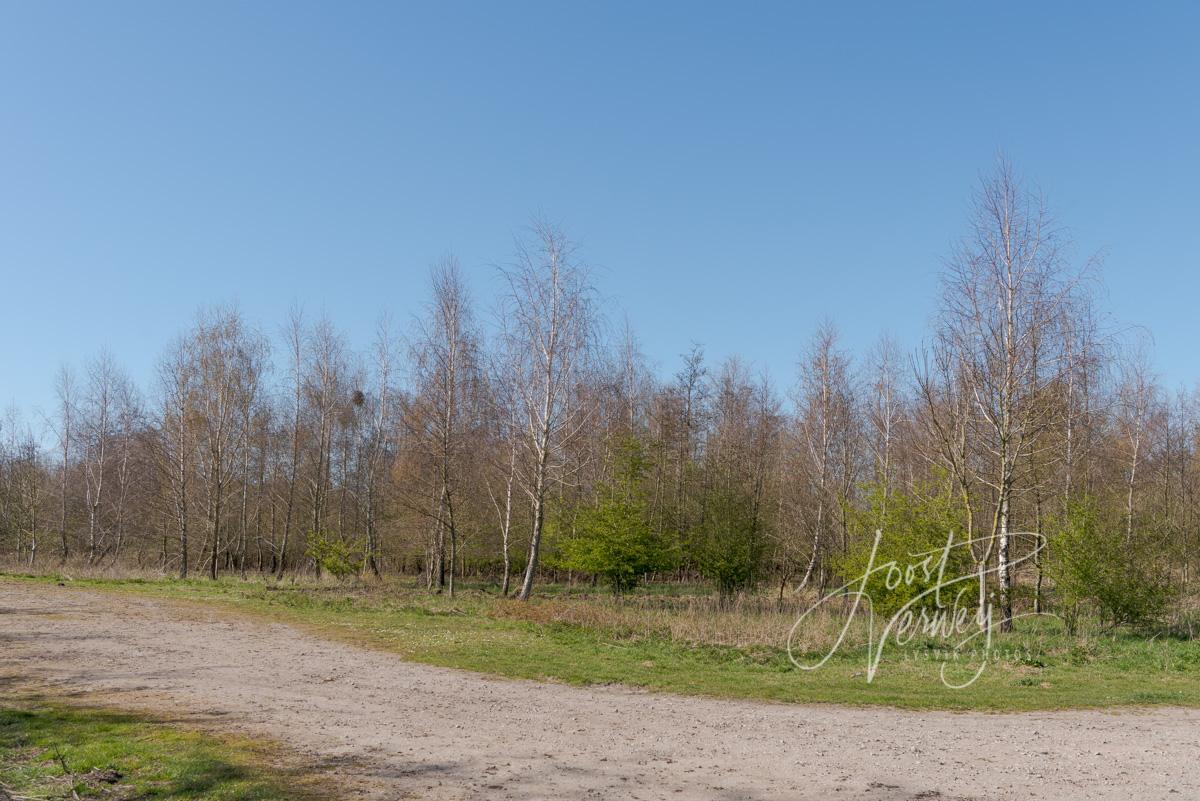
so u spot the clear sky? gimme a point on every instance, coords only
(734, 173)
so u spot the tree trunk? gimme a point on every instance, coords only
(1004, 568)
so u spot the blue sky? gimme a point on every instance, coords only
(734, 173)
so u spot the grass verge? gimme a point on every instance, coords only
(588, 640)
(54, 751)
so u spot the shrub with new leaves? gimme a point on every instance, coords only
(728, 545)
(612, 538)
(1094, 562)
(339, 559)
(913, 528)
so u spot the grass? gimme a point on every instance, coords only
(52, 751)
(683, 643)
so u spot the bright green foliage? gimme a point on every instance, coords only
(613, 538)
(728, 545)
(332, 555)
(1092, 561)
(914, 532)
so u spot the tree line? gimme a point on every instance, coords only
(1026, 421)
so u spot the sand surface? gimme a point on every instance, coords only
(392, 729)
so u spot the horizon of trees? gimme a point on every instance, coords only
(545, 442)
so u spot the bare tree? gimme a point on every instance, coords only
(326, 393)
(504, 447)
(944, 415)
(294, 335)
(229, 361)
(176, 373)
(633, 378)
(447, 377)
(1003, 294)
(885, 410)
(823, 427)
(378, 437)
(549, 325)
(97, 429)
(1138, 402)
(65, 391)
(129, 423)
(22, 485)
(690, 399)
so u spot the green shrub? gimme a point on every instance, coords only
(913, 528)
(339, 559)
(728, 546)
(1092, 561)
(612, 538)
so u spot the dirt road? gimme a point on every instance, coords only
(411, 731)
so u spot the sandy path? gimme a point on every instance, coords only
(423, 732)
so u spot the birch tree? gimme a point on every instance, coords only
(97, 430)
(1138, 402)
(229, 360)
(1003, 293)
(885, 411)
(823, 427)
(447, 378)
(176, 375)
(325, 394)
(379, 437)
(548, 331)
(294, 337)
(65, 394)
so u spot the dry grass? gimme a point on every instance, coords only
(691, 616)
(748, 621)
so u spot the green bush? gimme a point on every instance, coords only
(728, 545)
(612, 538)
(339, 559)
(1092, 561)
(913, 529)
